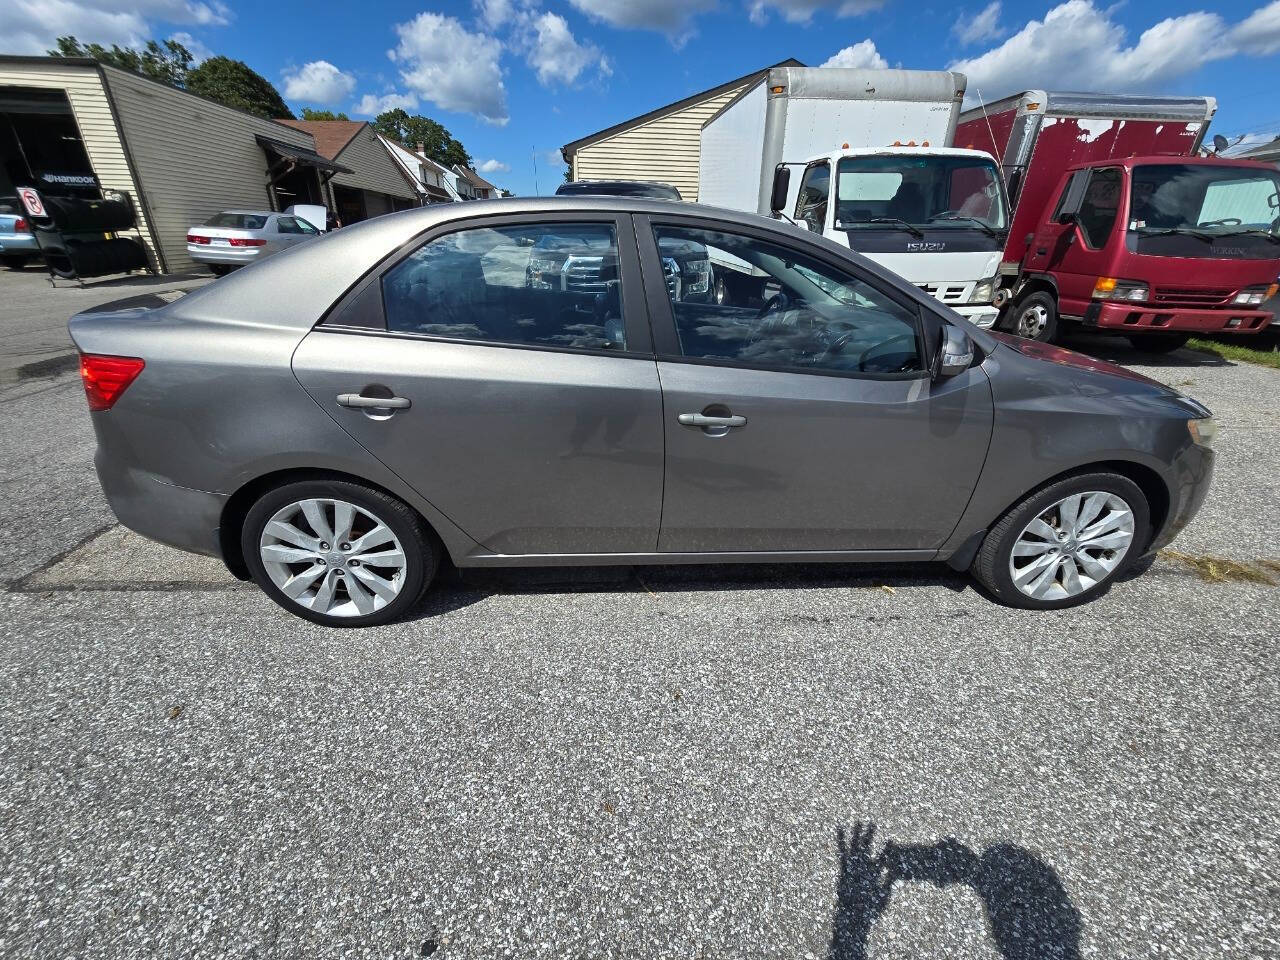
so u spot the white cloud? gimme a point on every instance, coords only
(671, 17)
(443, 62)
(801, 11)
(318, 82)
(555, 158)
(31, 26)
(863, 54)
(983, 26)
(494, 166)
(1080, 47)
(372, 104)
(199, 52)
(1259, 33)
(555, 54)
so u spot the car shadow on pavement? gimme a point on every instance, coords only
(1029, 914)
(455, 588)
(1118, 350)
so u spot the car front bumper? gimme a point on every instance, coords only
(1143, 319)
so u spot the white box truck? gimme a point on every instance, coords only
(878, 173)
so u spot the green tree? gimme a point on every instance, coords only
(168, 62)
(441, 146)
(233, 83)
(309, 114)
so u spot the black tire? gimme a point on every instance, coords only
(1159, 342)
(991, 565)
(218, 269)
(419, 544)
(1044, 328)
(15, 263)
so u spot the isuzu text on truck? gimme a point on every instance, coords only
(1119, 225)
(877, 173)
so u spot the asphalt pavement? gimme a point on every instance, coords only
(826, 762)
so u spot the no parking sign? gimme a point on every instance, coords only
(31, 200)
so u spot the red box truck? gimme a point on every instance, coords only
(1120, 225)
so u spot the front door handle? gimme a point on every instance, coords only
(702, 420)
(359, 400)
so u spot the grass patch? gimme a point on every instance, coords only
(1267, 356)
(1221, 570)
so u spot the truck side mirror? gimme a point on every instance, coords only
(781, 187)
(1066, 216)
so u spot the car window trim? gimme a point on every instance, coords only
(662, 317)
(634, 316)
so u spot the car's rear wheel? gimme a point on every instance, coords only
(1159, 342)
(1066, 543)
(339, 553)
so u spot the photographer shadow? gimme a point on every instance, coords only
(1029, 915)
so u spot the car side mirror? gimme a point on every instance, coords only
(954, 354)
(781, 187)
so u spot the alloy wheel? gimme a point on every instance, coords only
(332, 557)
(1072, 546)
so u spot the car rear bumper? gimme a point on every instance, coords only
(18, 243)
(1143, 319)
(160, 510)
(233, 256)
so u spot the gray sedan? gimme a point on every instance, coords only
(523, 382)
(237, 238)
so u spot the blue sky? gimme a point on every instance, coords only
(516, 79)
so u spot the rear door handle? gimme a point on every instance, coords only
(702, 420)
(359, 400)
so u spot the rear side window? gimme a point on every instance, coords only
(237, 221)
(546, 284)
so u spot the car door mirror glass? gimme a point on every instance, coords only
(955, 353)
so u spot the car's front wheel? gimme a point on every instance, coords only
(339, 553)
(1066, 543)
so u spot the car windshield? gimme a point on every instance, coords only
(1204, 198)
(880, 190)
(237, 221)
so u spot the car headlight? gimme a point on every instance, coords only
(1109, 288)
(984, 290)
(1203, 430)
(698, 273)
(1252, 296)
(542, 274)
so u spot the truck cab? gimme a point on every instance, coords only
(1157, 248)
(936, 216)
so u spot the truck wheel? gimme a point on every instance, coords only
(1035, 317)
(1159, 342)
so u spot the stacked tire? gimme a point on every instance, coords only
(95, 258)
(71, 237)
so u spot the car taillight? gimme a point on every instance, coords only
(21, 226)
(247, 242)
(105, 378)
(196, 238)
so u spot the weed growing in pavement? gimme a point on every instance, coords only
(1222, 570)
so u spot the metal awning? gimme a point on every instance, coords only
(436, 194)
(301, 155)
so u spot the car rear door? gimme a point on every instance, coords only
(798, 416)
(521, 393)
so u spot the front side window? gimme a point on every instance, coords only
(1100, 206)
(777, 308)
(811, 203)
(287, 225)
(545, 284)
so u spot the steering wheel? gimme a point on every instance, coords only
(775, 304)
(1224, 222)
(838, 344)
(884, 345)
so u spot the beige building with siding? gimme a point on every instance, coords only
(180, 157)
(662, 145)
(373, 183)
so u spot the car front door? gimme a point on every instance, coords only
(522, 393)
(1077, 251)
(798, 415)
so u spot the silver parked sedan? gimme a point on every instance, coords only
(237, 238)
(533, 382)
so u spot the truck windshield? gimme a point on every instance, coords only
(922, 191)
(1205, 210)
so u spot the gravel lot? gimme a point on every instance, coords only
(728, 762)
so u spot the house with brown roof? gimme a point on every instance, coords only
(374, 183)
(472, 186)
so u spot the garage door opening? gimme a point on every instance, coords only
(40, 145)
